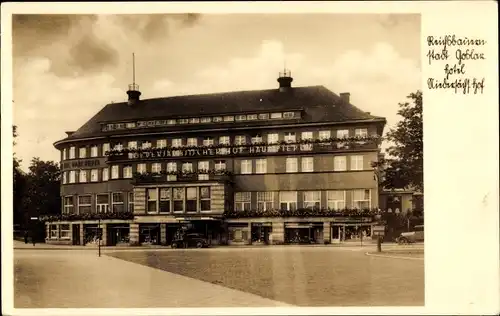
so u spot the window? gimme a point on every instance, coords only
(206, 119)
(117, 202)
(118, 146)
(69, 207)
(178, 199)
(156, 167)
(152, 198)
(312, 199)
(265, 201)
(82, 153)
(105, 174)
(161, 143)
(141, 168)
(127, 172)
(131, 145)
(115, 172)
(171, 167)
(324, 135)
(261, 166)
(191, 199)
(105, 148)
(241, 117)
(342, 133)
(192, 142)
(307, 136)
(229, 118)
(307, 164)
(94, 175)
(339, 163)
(361, 199)
(257, 139)
(64, 154)
(251, 117)
(131, 202)
(289, 115)
(119, 126)
(54, 232)
(102, 203)
(336, 200)
(276, 115)
(205, 199)
(242, 201)
(264, 116)
(272, 138)
(187, 167)
(65, 231)
(246, 167)
(203, 167)
(72, 152)
(130, 125)
(165, 197)
(194, 120)
(72, 176)
(183, 121)
(64, 177)
(208, 141)
(82, 177)
(361, 132)
(357, 162)
(145, 145)
(240, 140)
(288, 200)
(291, 165)
(94, 151)
(84, 204)
(177, 142)
(224, 140)
(220, 165)
(217, 119)
(290, 137)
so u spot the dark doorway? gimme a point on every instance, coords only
(76, 234)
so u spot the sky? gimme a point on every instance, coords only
(67, 67)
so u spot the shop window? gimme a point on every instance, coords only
(54, 233)
(65, 231)
(84, 204)
(265, 201)
(336, 200)
(118, 146)
(152, 198)
(102, 203)
(178, 200)
(205, 199)
(191, 199)
(361, 199)
(288, 200)
(69, 207)
(117, 201)
(312, 199)
(242, 201)
(165, 198)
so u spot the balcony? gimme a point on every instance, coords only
(154, 178)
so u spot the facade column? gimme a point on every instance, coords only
(278, 233)
(104, 240)
(163, 234)
(249, 241)
(327, 228)
(47, 231)
(82, 234)
(71, 233)
(134, 234)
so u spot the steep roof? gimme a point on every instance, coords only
(319, 104)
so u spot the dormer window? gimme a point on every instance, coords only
(257, 139)
(130, 125)
(206, 120)
(217, 119)
(110, 127)
(241, 117)
(276, 115)
(194, 120)
(229, 118)
(183, 121)
(251, 117)
(146, 145)
(289, 115)
(264, 116)
(171, 122)
(151, 123)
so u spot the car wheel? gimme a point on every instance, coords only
(199, 244)
(174, 245)
(402, 241)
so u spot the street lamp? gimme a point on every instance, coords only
(100, 234)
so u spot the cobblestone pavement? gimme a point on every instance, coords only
(302, 276)
(81, 279)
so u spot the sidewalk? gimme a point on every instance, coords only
(84, 280)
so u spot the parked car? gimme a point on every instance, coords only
(190, 240)
(410, 237)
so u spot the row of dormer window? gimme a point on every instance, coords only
(271, 138)
(247, 166)
(203, 120)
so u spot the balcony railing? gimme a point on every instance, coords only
(150, 178)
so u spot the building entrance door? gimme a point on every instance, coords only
(338, 232)
(76, 234)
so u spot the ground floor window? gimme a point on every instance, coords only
(149, 234)
(92, 234)
(351, 232)
(53, 231)
(238, 233)
(118, 234)
(65, 231)
(261, 232)
(300, 233)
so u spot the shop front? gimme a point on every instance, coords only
(149, 234)
(210, 228)
(351, 230)
(303, 233)
(118, 234)
(92, 234)
(260, 233)
(238, 234)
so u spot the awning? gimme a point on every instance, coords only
(298, 225)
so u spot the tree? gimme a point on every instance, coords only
(19, 185)
(403, 166)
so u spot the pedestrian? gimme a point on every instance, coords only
(25, 236)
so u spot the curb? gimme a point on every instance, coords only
(392, 257)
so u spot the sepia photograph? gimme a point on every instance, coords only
(209, 160)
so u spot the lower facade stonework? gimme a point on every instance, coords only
(243, 231)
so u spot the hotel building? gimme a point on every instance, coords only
(284, 165)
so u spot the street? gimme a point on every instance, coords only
(221, 277)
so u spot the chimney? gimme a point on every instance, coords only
(133, 94)
(346, 97)
(285, 80)
(69, 133)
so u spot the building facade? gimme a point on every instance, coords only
(284, 165)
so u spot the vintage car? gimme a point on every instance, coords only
(417, 235)
(190, 240)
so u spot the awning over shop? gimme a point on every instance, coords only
(298, 225)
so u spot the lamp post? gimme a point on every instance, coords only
(100, 234)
